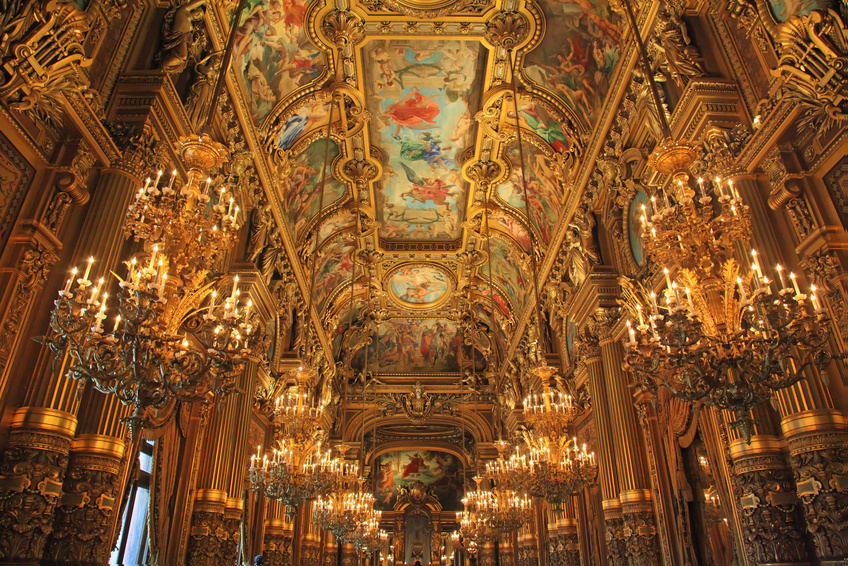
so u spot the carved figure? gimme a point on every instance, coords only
(177, 36)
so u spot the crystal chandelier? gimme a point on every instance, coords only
(296, 469)
(498, 509)
(550, 469)
(170, 339)
(344, 509)
(367, 536)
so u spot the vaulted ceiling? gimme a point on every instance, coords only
(423, 170)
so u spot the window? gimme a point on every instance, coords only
(131, 547)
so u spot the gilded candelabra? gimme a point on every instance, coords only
(722, 334)
(296, 469)
(170, 339)
(367, 536)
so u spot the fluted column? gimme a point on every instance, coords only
(278, 536)
(590, 354)
(814, 430)
(634, 482)
(817, 439)
(93, 481)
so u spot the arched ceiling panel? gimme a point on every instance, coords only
(274, 55)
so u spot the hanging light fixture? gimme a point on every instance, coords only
(166, 337)
(345, 508)
(549, 465)
(497, 509)
(549, 470)
(296, 469)
(722, 333)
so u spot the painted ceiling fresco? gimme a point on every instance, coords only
(423, 141)
(420, 96)
(273, 52)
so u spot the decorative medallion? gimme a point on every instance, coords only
(634, 226)
(418, 285)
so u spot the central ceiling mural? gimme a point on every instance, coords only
(421, 98)
(425, 190)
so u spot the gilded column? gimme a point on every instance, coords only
(31, 474)
(349, 555)
(568, 543)
(219, 500)
(640, 532)
(814, 430)
(487, 555)
(590, 353)
(92, 490)
(771, 520)
(331, 550)
(818, 447)
(278, 536)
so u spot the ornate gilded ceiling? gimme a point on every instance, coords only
(422, 152)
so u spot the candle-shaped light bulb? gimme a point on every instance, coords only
(158, 176)
(117, 323)
(88, 268)
(701, 187)
(68, 283)
(794, 283)
(173, 176)
(667, 277)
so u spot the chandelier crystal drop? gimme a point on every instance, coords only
(722, 333)
(166, 336)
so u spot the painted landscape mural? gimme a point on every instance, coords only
(578, 59)
(414, 345)
(273, 52)
(300, 187)
(421, 96)
(543, 188)
(440, 471)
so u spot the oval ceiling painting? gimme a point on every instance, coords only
(419, 285)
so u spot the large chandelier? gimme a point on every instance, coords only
(344, 509)
(296, 469)
(166, 337)
(552, 468)
(499, 509)
(724, 335)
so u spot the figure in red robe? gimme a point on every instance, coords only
(415, 466)
(412, 110)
